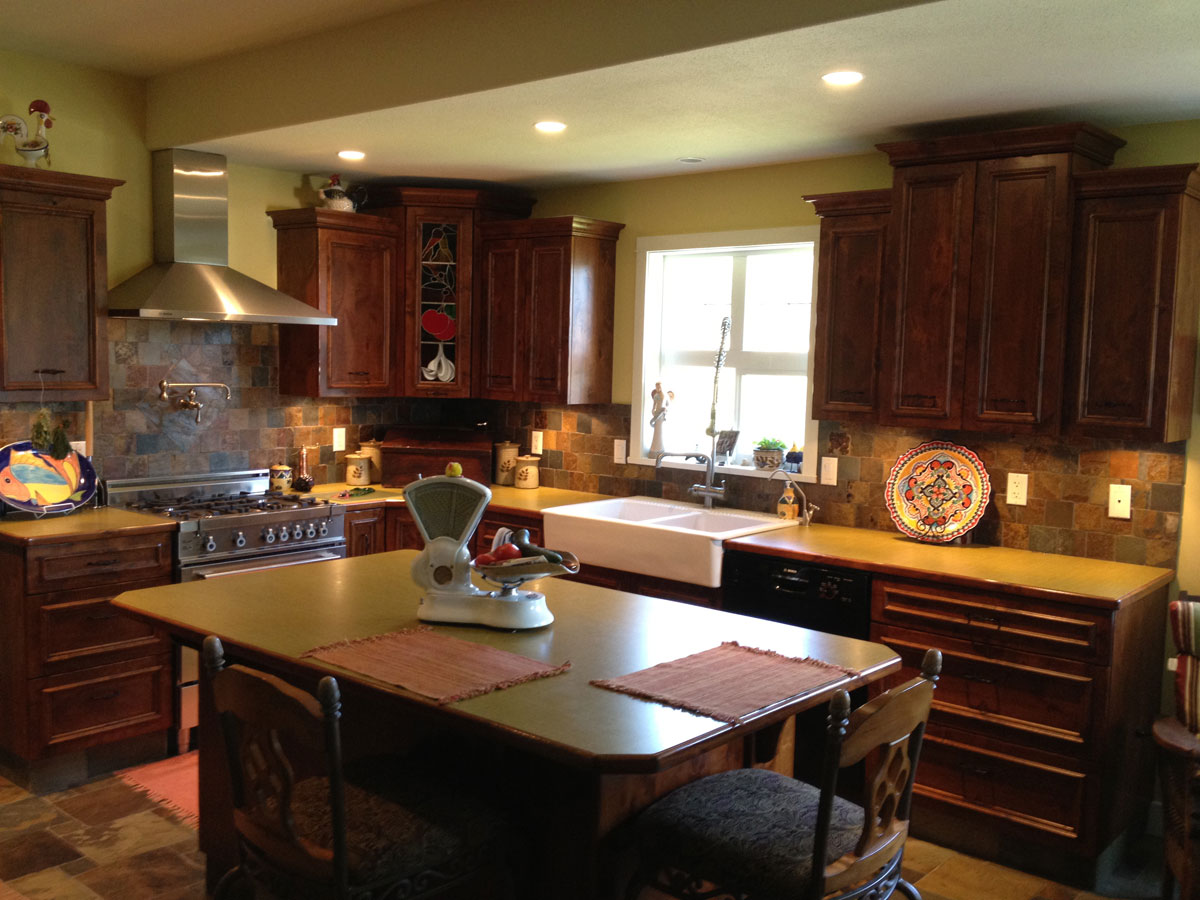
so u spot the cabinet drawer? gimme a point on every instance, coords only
(994, 620)
(79, 629)
(1003, 787)
(489, 526)
(89, 563)
(1006, 695)
(101, 704)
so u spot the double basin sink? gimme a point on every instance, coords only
(678, 541)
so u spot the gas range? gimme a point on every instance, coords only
(226, 517)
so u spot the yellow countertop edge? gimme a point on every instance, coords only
(505, 496)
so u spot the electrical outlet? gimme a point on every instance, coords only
(1172, 663)
(1018, 489)
(79, 447)
(535, 443)
(1120, 497)
(829, 470)
(619, 451)
(339, 439)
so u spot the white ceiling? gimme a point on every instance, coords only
(750, 102)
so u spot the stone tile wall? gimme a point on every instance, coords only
(1068, 481)
(136, 434)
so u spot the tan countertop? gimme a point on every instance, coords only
(1046, 575)
(526, 499)
(20, 528)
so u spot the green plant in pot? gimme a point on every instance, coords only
(768, 453)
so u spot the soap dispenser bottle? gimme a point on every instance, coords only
(787, 507)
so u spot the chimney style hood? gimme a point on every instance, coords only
(190, 278)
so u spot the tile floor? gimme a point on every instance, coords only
(107, 840)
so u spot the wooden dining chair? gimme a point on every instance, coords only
(308, 828)
(753, 834)
(1179, 757)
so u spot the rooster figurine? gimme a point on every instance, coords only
(334, 196)
(30, 149)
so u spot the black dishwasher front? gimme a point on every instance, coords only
(823, 598)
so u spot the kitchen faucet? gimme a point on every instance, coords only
(707, 490)
(807, 510)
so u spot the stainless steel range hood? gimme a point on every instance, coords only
(190, 278)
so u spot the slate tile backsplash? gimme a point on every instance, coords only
(136, 434)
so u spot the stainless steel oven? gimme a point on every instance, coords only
(230, 524)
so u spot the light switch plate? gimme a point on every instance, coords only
(1018, 489)
(829, 470)
(79, 447)
(1120, 497)
(619, 451)
(535, 443)
(339, 439)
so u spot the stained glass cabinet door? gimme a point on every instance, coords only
(437, 352)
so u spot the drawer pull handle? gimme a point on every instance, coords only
(96, 617)
(990, 621)
(105, 696)
(980, 679)
(103, 562)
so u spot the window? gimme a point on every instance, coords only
(761, 280)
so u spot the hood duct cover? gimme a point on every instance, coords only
(190, 278)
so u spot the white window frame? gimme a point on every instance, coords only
(646, 340)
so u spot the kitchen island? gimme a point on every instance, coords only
(576, 760)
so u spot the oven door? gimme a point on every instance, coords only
(260, 563)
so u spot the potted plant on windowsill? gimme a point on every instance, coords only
(768, 453)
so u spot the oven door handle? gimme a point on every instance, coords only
(234, 569)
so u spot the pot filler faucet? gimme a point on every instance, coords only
(190, 401)
(708, 490)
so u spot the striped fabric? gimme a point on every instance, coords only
(1185, 629)
(1185, 625)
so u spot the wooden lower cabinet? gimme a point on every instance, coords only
(74, 672)
(1039, 733)
(366, 531)
(402, 531)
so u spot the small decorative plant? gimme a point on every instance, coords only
(768, 453)
(770, 444)
(47, 439)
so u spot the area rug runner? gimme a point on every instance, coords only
(174, 782)
(437, 666)
(727, 682)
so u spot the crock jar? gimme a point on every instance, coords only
(358, 469)
(526, 475)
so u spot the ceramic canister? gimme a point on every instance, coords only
(358, 468)
(281, 477)
(373, 449)
(527, 471)
(506, 462)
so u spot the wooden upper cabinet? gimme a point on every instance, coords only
(440, 224)
(1134, 302)
(545, 315)
(974, 300)
(346, 265)
(850, 275)
(53, 284)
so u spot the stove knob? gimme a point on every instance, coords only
(239, 539)
(284, 534)
(310, 531)
(211, 544)
(297, 532)
(324, 529)
(269, 535)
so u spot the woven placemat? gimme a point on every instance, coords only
(727, 682)
(437, 666)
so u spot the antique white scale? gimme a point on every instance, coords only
(447, 510)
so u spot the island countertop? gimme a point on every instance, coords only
(275, 616)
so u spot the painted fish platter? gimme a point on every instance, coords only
(34, 481)
(937, 491)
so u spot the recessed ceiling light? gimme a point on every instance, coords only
(351, 154)
(841, 79)
(691, 160)
(550, 127)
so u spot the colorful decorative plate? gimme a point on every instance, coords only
(937, 491)
(34, 481)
